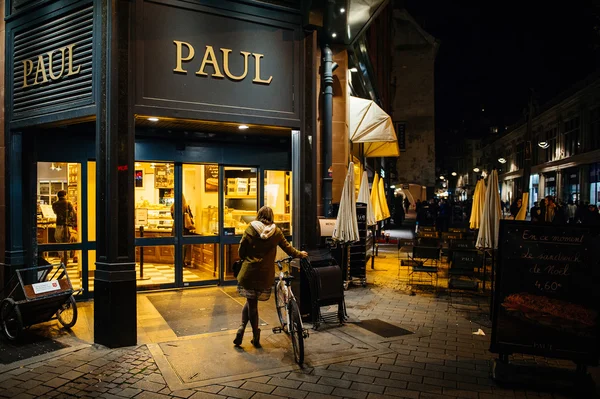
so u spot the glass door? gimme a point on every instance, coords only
(240, 191)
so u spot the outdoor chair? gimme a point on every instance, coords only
(405, 246)
(425, 262)
(461, 274)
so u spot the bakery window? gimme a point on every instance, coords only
(278, 197)
(200, 192)
(58, 199)
(240, 199)
(154, 195)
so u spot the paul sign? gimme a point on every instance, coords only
(210, 59)
(44, 72)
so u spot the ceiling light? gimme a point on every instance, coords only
(543, 144)
(353, 69)
(501, 160)
(243, 127)
(442, 177)
(153, 119)
(453, 173)
(476, 170)
(392, 186)
(52, 167)
(152, 165)
(58, 168)
(334, 35)
(137, 165)
(342, 10)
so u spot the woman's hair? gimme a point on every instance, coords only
(265, 215)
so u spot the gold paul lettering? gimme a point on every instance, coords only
(71, 71)
(41, 67)
(51, 64)
(257, 78)
(26, 72)
(180, 58)
(226, 53)
(43, 71)
(210, 58)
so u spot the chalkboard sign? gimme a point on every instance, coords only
(547, 299)
(211, 178)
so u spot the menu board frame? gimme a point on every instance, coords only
(554, 265)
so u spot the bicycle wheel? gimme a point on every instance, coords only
(280, 293)
(67, 314)
(10, 317)
(296, 332)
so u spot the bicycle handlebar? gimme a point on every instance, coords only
(288, 260)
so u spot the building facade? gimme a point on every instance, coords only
(564, 150)
(412, 101)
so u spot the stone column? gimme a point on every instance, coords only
(115, 318)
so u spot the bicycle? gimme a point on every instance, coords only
(288, 311)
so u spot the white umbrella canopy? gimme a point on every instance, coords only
(477, 206)
(385, 211)
(490, 218)
(346, 224)
(364, 197)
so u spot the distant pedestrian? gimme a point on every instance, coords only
(516, 207)
(535, 212)
(571, 211)
(406, 205)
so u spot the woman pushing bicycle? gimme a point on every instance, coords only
(258, 249)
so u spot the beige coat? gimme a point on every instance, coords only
(258, 254)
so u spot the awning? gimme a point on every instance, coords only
(371, 126)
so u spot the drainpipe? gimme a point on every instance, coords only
(327, 111)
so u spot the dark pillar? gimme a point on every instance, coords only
(327, 111)
(115, 321)
(14, 256)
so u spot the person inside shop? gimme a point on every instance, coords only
(258, 248)
(188, 227)
(398, 210)
(554, 213)
(66, 218)
(406, 205)
(571, 211)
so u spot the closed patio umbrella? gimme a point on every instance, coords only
(490, 218)
(346, 224)
(477, 207)
(385, 211)
(364, 197)
(523, 211)
(375, 199)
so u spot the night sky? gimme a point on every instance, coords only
(491, 53)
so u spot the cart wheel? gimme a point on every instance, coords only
(10, 318)
(67, 314)
(364, 283)
(346, 284)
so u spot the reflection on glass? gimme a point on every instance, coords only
(278, 197)
(203, 262)
(230, 254)
(91, 269)
(154, 195)
(201, 194)
(73, 264)
(58, 196)
(154, 265)
(241, 193)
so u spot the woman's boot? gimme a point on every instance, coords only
(239, 335)
(256, 338)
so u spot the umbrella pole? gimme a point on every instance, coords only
(492, 285)
(373, 254)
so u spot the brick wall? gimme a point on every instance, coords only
(412, 95)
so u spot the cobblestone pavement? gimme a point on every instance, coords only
(443, 358)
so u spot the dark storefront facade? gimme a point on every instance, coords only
(139, 110)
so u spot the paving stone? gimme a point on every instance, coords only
(279, 382)
(129, 392)
(257, 387)
(303, 377)
(349, 393)
(367, 387)
(148, 386)
(183, 393)
(343, 368)
(290, 393)
(152, 395)
(56, 382)
(358, 378)
(311, 387)
(327, 373)
(236, 393)
(335, 382)
(205, 395)
(260, 395)
(402, 393)
(210, 388)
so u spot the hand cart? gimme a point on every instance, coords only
(41, 294)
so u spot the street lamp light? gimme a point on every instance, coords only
(543, 144)
(476, 170)
(453, 173)
(501, 160)
(441, 177)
